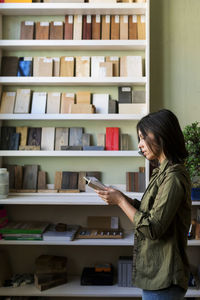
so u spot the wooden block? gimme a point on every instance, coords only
(139, 96)
(58, 180)
(114, 27)
(105, 27)
(112, 138)
(23, 131)
(69, 20)
(115, 61)
(29, 148)
(96, 27)
(56, 31)
(67, 66)
(113, 106)
(86, 139)
(9, 65)
(23, 100)
(67, 99)
(81, 181)
(69, 191)
(27, 30)
(11, 171)
(141, 27)
(61, 138)
(82, 66)
(7, 102)
(42, 67)
(83, 97)
(101, 139)
(30, 177)
(125, 94)
(131, 66)
(69, 181)
(48, 277)
(75, 136)
(102, 1)
(53, 103)
(18, 177)
(123, 27)
(14, 141)
(87, 27)
(106, 69)
(101, 103)
(6, 135)
(140, 1)
(47, 140)
(25, 191)
(133, 27)
(56, 66)
(42, 31)
(42, 180)
(50, 264)
(132, 108)
(95, 67)
(34, 136)
(77, 32)
(82, 108)
(39, 103)
(124, 141)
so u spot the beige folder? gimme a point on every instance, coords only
(53, 103)
(7, 102)
(42, 66)
(66, 100)
(22, 103)
(67, 66)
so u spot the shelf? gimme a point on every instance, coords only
(88, 117)
(74, 289)
(72, 45)
(38, 153)
(59, 198)
(57, 81)
(59, 9)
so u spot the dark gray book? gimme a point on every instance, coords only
(112, 106)
(125, 94)
(75, 136)
(139, 96)
(124, 141)
(30, 177)
(34, 136)
(14, 141)
(69, 181)
(11, 171)
(93, 148)
(71, 148)
(9, 66)
(6, 134)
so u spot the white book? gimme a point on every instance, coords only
(101, 103)
(95, 65)
(51, 234)
(39, 103)
(47, 140)
(22, 102)
(134, 66)
(77, 31)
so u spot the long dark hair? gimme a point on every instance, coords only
(167, 133)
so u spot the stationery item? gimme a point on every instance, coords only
(56, 66)
(131, 66)
(133, 27)
(139, 96)
(51, 234)
(34, 136)
(67, 99)
(105, 69)
(81, 108)
(124, 141)
(95, 65)
(61, 137)
(101, 103)
(81, 181)
(115, 27)
(86, 139)
(14, 141)
(39, 103)
(11, 171)
(125, 94)
(42, 31)
(77, 32)
(96, 174)
(7, 102)
(30, 177)
(132, 108)
(27, 30)
(25, 67)
(42, 66)
(82, 66)
(93, 148)
(75, 136)
(123, 27)
(9, 66)
(83, 97)
(115, 61)
(141, 27)
(47, 139)
(69, 21)
(23, 131)
(6, 134)
(69, 180)
(56, 31)
(53, 103)
(101, 138)
(94, 183)
(112, 138)
(87, 27)
(105, 29)
(113, 107)
(96, 27)
(23, 100)
(18, 177)
(58, 180)
(42, 180)
(67, 66)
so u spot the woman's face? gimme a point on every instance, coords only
(147, 152)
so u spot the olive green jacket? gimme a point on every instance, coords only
(161, 225)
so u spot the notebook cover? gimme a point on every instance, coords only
(96, 27)
(56, 31)
(42, 31)
(115, 27)
(69, 21)
(9, 66)
(27, 30)
(25, 67)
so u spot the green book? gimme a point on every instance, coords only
(24, 227)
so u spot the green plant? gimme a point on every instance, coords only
(192, 140)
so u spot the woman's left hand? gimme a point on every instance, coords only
(111, 196)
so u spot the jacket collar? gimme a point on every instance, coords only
(163, 165)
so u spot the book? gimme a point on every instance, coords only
(58, 180)
(56, 66)
(101, 103)
(132, 108)
(132, 27)
(67, 99)
(7, 102)
(23, 131)
(52, 235)
(75, 136)
(114, 33)
(22, 102)
(115, 64)
(42, 31)
(67, 66)
(42, 66)
(105, 27)
(81, 108)
(53, 103)
(96, 27)
(86, 139)
(83, 97)
(112, 138)
(77, 32)
(131, 66)
(34, 136)
(95, 65)
(9, 65)
(81, 181)
(113, 106)
(47, 139)
(87, 27)
(27, 30)
(105, 69)
(50, 264)
(61, 137)
(141, 27)
(25, 66)
(123, 27)
(14, 141)
(125, 94)
(24, 227)
(101, 138)
(30, 177)
(82, 66)
(6, 134)
(18, 177)
(39, 103)
(69, 180)
(124, 141)
(42, 180)
(139, 96)
(68, 34)
(56, 30)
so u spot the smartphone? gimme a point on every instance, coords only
(94, 183)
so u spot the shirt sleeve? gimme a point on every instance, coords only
(153, 224)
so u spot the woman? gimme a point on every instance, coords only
(161, 220)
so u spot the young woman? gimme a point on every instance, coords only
(161, 220)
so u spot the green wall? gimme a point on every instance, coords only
(175, 63)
